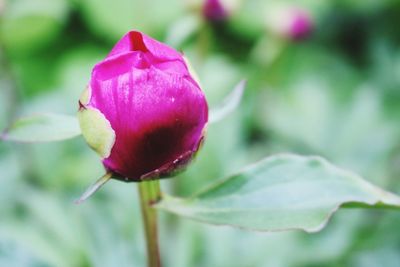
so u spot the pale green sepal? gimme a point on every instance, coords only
(96, 130)
(85, 96)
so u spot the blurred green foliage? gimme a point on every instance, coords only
(336, 94)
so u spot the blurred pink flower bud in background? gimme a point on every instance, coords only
(292, 23)
(214, 11)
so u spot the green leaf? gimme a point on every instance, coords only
(43, 127)
(229, 104)
(282, 192)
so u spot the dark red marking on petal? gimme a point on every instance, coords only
(150, 151)
(136, 42)
(81, 106)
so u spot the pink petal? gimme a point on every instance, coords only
(157, 115)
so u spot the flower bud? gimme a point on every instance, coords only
(292, 23)
(143, 112)
(214, 11)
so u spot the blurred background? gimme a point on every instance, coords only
(323, 78)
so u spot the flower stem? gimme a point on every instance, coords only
(150, 193)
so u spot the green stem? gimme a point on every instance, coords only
(204, 42)
(150, 193)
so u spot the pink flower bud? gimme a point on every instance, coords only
(214, 11)
(143, 111)
(290, 22)
(301, 25)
